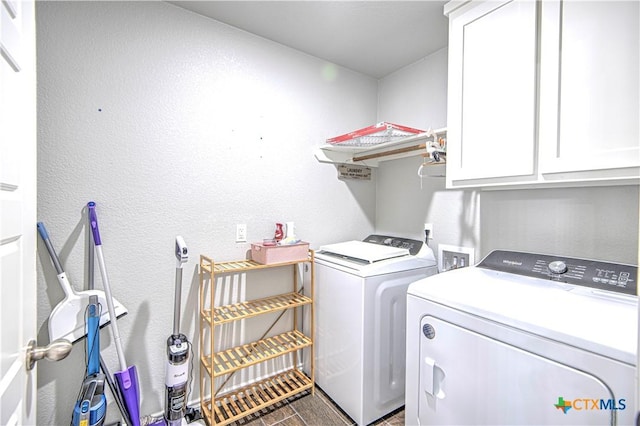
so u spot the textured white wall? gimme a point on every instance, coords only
(595, 222)
(417, 96)
(177, 125)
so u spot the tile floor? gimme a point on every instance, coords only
(311, 410)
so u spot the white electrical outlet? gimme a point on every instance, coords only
(429, 227)
(241, 233)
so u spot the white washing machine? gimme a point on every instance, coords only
(360, 294)
(523, 339)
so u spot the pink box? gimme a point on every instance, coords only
(268, 255)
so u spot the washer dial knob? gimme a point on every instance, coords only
(558, 267)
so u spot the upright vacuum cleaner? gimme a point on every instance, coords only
(177, 377)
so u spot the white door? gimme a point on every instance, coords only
(17, 211)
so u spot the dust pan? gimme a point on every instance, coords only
(67, 320)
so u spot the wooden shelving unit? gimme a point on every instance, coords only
(235, 404)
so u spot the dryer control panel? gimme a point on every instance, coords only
(413, 246)
(596, 274)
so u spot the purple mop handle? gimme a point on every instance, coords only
(127, 378)
(93, 220)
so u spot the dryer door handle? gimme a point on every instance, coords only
(431, 378)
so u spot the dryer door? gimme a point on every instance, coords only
(469, 378)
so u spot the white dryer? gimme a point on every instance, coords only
(523, 339)
(360, 295)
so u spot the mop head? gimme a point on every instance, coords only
(129, 389)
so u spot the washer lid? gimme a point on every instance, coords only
(361, 251)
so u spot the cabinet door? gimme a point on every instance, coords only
(492, 93)
(589, 89)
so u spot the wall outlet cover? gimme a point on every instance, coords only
(241, 233)
(454, 257)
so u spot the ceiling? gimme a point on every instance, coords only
(372, 37)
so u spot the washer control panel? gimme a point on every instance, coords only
(589, 273)
(413, 246)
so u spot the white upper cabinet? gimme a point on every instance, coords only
(492, 91)
(589, 103)
(543, 93)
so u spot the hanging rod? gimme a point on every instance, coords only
(390, 152)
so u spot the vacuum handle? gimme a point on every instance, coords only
(47, 242)
(177, 302)
(93, 336)
(93, 221)
(182, 256)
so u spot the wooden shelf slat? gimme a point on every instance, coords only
(251, 308)
(236, 358)
(239, 403)
(237, 266)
